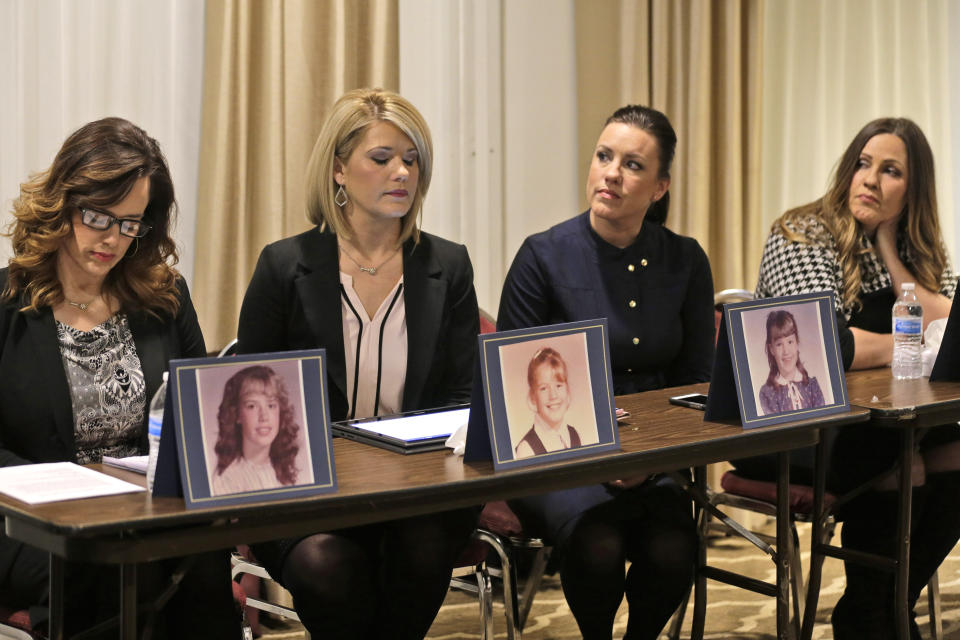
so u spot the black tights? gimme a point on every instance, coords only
(660, 544)
(386, 580)
(869, 525)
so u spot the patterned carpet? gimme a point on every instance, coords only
(732, 614)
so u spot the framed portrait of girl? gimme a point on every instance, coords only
(785, 358)
(252, 428)
(548, 393)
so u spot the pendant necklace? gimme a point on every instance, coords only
(81, 305)
(371, 270)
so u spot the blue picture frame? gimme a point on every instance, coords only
(505, 361)
(197, 390)
(819, 384)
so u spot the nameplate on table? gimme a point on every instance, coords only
(947, 364)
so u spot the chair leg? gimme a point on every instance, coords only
(509, 578)
(936, 615)
(700, 581)
(796, 576)
(535, 577)
(485, 597)
(676, 623)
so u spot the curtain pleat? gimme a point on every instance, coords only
(272, 69)
(698, 62)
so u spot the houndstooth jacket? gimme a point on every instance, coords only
(790, 268)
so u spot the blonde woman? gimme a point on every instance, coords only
(396, 311)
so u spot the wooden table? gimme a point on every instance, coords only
(906, 405)
(377, 485)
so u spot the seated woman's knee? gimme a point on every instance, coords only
(326, 564)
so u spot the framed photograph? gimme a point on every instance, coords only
(548, 393)
(947, 363)
(252, 428)
(785, 357)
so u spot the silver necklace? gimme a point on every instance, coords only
(81, 305)
(371, 270)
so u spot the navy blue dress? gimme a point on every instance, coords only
(657, 297)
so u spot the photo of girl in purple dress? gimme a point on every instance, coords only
(788, 387)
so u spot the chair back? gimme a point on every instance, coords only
(723, 297)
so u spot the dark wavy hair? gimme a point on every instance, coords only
(97, 166)
(229, 447)
(657, 125)
(781, 323)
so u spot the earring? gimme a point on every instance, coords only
(341, 198)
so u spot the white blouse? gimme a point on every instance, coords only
(375, 350)
(552, 439)
(242, 475)
(796, 400)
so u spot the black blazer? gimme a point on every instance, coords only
(36, 413)
(293, 302)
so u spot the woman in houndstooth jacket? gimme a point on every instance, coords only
(876, 228)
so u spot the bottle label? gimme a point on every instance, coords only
(154, 425)
(908, 326)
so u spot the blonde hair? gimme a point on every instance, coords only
(97, 166)
(348, 121)
(920, 224)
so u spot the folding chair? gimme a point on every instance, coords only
(760, 497)
(499, 530)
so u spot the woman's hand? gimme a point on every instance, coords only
(629, 482)
(886, 243)
(935, 305)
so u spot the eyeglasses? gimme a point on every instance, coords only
(101, 221)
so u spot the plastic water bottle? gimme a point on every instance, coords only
(907, 334)
(154, 423)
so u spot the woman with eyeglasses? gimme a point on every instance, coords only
(92, 312)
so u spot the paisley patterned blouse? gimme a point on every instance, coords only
(106, 389)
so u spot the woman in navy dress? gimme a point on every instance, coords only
(618, 261)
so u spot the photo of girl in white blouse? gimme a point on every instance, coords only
(257, 442)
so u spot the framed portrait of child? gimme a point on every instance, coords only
(252, 428)
(548, 393)
(784, 357)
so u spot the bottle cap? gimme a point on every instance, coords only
(907, 286)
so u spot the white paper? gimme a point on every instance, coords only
(55, 481)
(418, 427)
(458, 440)
(137, 464)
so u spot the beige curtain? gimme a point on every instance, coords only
(272, 68)
(698, 61)
(831, 67)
